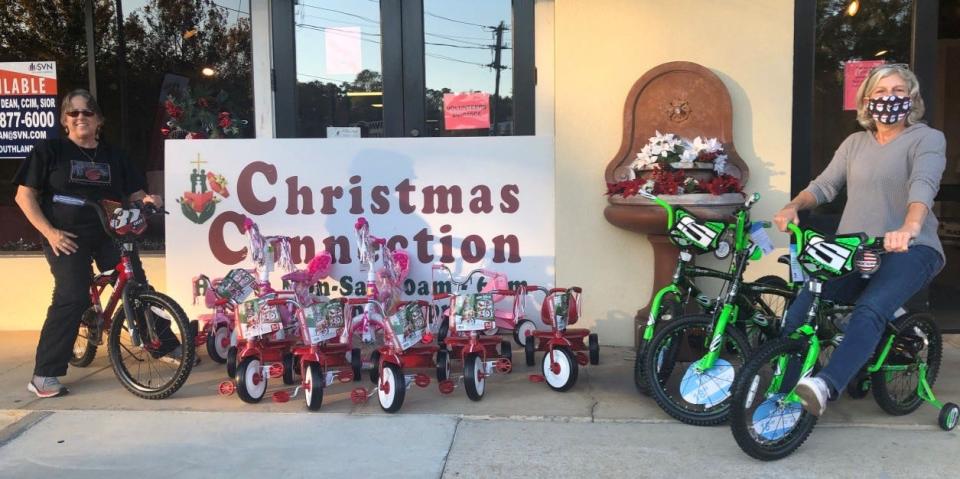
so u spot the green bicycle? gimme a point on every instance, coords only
(707, 350)
(682, 294)
(767, 419)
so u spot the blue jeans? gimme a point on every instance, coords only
(901, 275)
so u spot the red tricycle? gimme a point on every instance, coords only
(564, 348)
(470, 314)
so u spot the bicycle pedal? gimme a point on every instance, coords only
(281, 397)
(446, 387)
(582, 358)
(345, 376)
(226, 388)
(422, 380)
(275, 370)
(536, 378)
(504, 366)
(359, 395)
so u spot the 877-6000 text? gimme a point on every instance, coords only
(31, 119)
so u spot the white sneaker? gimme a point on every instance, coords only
(814, 394)
(47, 387)
(176, 356)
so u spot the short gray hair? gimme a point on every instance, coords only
(913, 86)
(92, 105)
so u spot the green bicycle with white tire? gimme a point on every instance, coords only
(682, 294)
(767, 418)
(709, 348)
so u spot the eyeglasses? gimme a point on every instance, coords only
(76, 113)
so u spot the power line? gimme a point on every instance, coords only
(328, 27)
(332, 80)
(341, 12)
(486, 27)
(230, 9)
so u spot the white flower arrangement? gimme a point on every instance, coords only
(671, 150)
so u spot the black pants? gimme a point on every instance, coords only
(72, 276)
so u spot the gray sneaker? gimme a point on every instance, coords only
(47, 387)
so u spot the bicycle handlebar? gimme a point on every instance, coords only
(147, 208)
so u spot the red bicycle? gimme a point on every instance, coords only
(149, 339)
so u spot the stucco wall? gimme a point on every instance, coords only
(26, 286)
(602, 47)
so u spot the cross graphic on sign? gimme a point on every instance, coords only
(198, 162)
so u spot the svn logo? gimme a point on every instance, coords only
(41, 67)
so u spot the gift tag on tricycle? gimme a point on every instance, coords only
(758, 234)
(797, 274)
(236, 286)
(473, 312)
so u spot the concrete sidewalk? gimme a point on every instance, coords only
(602, 427)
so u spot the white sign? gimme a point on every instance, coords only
(343, 132)
(465, 202)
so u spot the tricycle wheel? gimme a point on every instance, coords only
(218, 344)
(594, 346)
(443, 365)
(392, 388)
(949, 415)
(288, 369)
(529, 348)
(474, 376)
(251, 382)
(313, 386)
(506, 350)
(524, 329)
(374, 366)
(561, 371)
(232, 361)
(356, 363)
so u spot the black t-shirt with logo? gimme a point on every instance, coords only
(60, 166)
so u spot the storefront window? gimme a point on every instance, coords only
(468, 58)
(339, 74)
(202, 47)
(850, 32)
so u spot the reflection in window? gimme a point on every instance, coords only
(468, 58)
(850, 31)
(339, 80)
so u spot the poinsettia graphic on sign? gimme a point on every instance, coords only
(199, 204)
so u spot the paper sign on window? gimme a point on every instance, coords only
(466, 111)
(854, 73)
(343, 50)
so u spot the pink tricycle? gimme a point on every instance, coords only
(564, 348)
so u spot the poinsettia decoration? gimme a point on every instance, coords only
(662, 167)
(198, 115)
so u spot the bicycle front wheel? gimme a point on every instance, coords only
(679, 383)
(765, 423)
(159, 366)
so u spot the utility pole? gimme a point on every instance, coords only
(496, 67)
(88, 10)
(122, 70)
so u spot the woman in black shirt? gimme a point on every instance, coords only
(82, 166)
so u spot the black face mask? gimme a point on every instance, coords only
(889, 109)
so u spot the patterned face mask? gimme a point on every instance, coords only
(889, 109)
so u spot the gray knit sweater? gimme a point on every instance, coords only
(882, 180)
